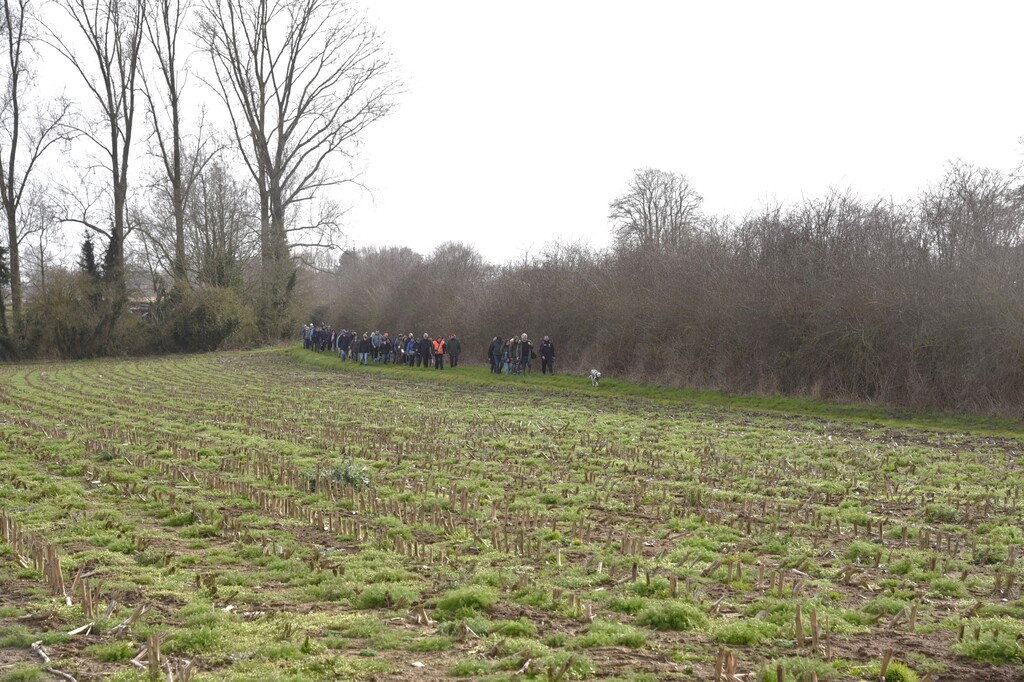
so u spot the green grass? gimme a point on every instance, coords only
(601, 633)
(112, 652)
(877, 415)
(23, 672)
(465, 602)
(677, 617)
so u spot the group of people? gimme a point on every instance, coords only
(512, 356)
(516, 355)
(381, 348)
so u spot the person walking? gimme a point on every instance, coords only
(410, 350)
(454, 350)
(364, 349)
(525, 354)
(512, 356)
(547, 355)
(494, 354)
(345, 344)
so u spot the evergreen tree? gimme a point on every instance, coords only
(87, 261)
(112, 262)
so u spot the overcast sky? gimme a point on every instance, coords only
(521, 122)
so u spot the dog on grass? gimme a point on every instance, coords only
(595, 377)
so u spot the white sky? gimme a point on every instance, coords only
(522, 121)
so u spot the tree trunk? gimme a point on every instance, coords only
(15, 266)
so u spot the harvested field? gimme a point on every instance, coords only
(278, 516)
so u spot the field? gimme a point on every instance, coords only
(276, 516)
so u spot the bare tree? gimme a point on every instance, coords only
(221, 227)
(973, 216)
(41, 239)
(113, 31)
(164, 106)
(301, 79)
(659, 209)
(27, 130)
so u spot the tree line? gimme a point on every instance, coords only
(194, 204)
(918, 303)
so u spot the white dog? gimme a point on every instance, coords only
(595, 377)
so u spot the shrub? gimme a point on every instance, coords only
(204, 319)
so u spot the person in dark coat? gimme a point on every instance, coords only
(526, 354)
(494, 354)
(426, 350)
(364, 349)
(547, 355)
(454, 347)
(410, 349)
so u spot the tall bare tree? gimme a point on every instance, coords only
(28, 129)
(659, 209)
(180, 169)
(113, 31)
(301, 79)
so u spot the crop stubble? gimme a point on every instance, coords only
(502, 530)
